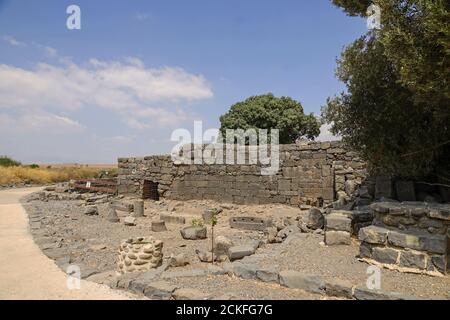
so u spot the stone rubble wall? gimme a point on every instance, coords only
(410, 236)
(140, 254)
(308, 171)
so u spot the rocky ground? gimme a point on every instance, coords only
(69, 236)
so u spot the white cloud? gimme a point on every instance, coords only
(39, 123)
(140, 96)
(13, 41)
(326, 135)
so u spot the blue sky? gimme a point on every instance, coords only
(139, 69)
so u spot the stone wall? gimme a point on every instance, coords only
(309, 174)
(411, 236)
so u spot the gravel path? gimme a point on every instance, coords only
(25, 273)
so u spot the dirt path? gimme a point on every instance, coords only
(25, 273)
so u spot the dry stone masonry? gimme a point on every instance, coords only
(313, 173)
(140, 254)
(408, 236)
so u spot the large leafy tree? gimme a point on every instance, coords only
(396, 107)
(270, 112)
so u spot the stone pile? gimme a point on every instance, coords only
(140, 254)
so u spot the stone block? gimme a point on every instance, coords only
(412, 259)
(384, 187)
(385, 255)
(267, 274)
(338, 222)
(194, 233)
(249, 223)
(244, 271)
(365, 250)
(159, 290)
(440, 263)
(337, 238)
(129, 221)
(239, 252)
(188, 294)
(158, 226)
(373, 234)
(419, 241)
(339, 288)
(297, 280)
(138, 208)
(405, 190)
(172, 218)
(122, 206)
(316, 219)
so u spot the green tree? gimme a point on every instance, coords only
(270, 112)
(396, 107)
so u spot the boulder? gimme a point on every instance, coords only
(179, 260)
(158, 226)
(138, 208)
(91, 211)
(316, 219)
(239, 252)
(193, 233)
(129, 221)
(222, 245)
(112, 215)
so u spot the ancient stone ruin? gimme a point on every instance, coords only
(140, 254)
(313, 173)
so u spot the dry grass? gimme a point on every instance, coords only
(44, 175)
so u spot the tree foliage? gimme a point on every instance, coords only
(270, 112)
(396, 107)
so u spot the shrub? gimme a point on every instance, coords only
(8, 162)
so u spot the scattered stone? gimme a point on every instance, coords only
(97, 247)
(339, 288)
(316, 219)
(158, 226)
(171, 218)
(297, 280)
(122, 206)
(249, 223)
(112, 215)
(209, 214)
(188, 294)
(138, 208)
(283, 234)
(244, 271)
(129, 221)
(179, 260)
(337, 238)
(91, 211)
(222, 245)
(271, 234)
(269, 274)
(159, 290)
(194, 233)
(239, 252)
